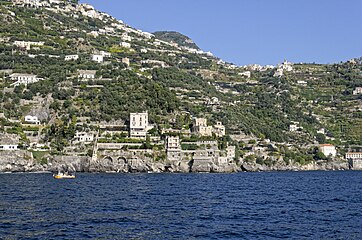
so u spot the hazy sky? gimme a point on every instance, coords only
(253, 31)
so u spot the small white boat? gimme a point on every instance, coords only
(65, 175)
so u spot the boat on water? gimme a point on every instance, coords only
(63, 175)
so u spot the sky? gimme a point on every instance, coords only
(253, 31)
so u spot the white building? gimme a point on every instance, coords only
(279, 72)
(357, 91)
(328, 150)
(84, 137)
(71, 57)
(86, 74)
(126, 61)
(126, 37)
(138, 125)
(246, 74)
(173, 147)
(27, 45)
(173, 143)
(125, 44)
(354, 155)
(219, 129)
(200, 127)
(7, 147)
(97, 58)
(32, 119)
(105, 54)
(230, 151)
(23, 78)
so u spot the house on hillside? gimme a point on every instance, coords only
(27, 45)
(97, 58)
(23, 78)
(71, 57)
(328, 150)
(138, 125)
(357, 91)
(32, 119)
(86, 74)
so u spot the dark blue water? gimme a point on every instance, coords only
(293, 205)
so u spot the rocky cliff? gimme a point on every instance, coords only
(23, 161)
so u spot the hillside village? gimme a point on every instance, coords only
(83, 90)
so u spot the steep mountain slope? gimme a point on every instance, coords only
(176, 37)
(135, 71)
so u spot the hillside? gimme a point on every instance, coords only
(88, 69)
(176, 37)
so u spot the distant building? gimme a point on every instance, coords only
(200, 127)
(173, 148)
(354, 160)
(32, 119)
(246, 74)
(9, 142)
(97, 58)
(23, 78)
(126, 61)
(125, 44)
(354, 155)
(84, 137)
(71, 57)
(357, 91)
(86, 74)
(328, 150)
(138, 125)
(219, 129)
(27, 45)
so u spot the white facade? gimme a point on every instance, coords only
(71, 57)
(27, 45)
(357, 91)
(246, 74)
(23, 78)
(97, 58)
(138, 125)
(328, 150)
(32, 119)
(126, 61)
(219, 129)
(200, 127)
(125, 44)
(84, 137)
(6, 147)
(354, 155)
(86, 74)
(173, 143)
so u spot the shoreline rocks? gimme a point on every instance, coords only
(23, 161)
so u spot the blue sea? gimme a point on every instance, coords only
(290, 205)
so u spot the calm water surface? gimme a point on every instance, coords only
(293, 205)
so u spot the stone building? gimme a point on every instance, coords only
(200, 127)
